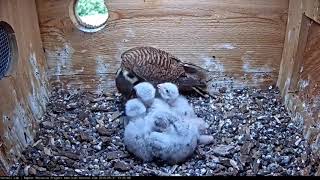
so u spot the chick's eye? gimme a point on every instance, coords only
(167, 91)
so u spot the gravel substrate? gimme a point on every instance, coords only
(254, 135)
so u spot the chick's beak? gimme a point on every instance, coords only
(158, 86)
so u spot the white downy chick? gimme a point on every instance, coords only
(178, 103)
(159, 104)
(146, 92)
(201, 126)
(135, 135)
(205, 139)
(176, 142)
(136, 131)
(161, 124)
(134, 109)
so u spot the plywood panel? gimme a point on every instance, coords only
(312, 9)
(292, 39)
(299, 72)
(299, 17)
(104, 83)
(23, 92)
(243, 36)
(309, 79)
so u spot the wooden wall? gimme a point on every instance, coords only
(299, 78)
(240, 41)
(309, 77)
(23, 92)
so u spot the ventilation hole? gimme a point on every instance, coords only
(89, 15)
(8, 49)
(5, 51)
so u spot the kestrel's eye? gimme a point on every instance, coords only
(131, 76)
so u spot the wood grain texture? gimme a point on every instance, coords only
(104, 83)
(298, 76)
(312, 9)
(309, 79)
(290, 49)
(299, 54)
(295, 40)
(23, 92)
(243, 36)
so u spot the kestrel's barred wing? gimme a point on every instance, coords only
(157, 66)
(152, 64)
